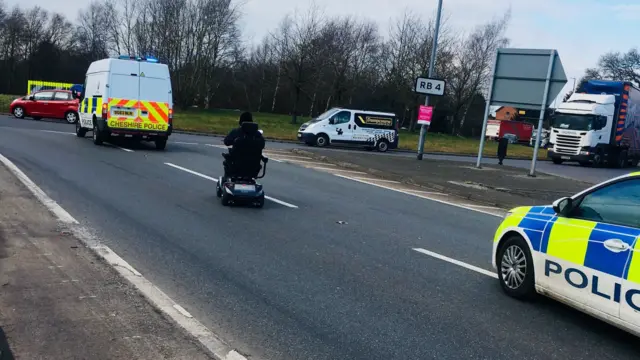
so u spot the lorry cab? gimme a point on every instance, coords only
(349, 127)
(128, 97)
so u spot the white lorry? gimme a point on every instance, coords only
(598, 125)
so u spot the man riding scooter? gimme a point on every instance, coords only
(245, 141)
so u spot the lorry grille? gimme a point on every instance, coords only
(567, 144)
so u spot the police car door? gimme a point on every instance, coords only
(340, 128)
(586, 253)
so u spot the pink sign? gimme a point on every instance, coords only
(425, 113)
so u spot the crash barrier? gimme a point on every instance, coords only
(38, 85)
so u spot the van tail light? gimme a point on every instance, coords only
(105, 113)
(170, 117)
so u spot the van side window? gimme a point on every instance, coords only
(618, 204)
(342, 117)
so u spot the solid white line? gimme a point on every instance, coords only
(281, 156)
(338, 170)
(121, 148)
(157, 297)
(377, 180)
(420, 196)
(58, 132)
(301, 162)
(457, 262)
(485, 207)
(428, 192)
(182, 310)
(216, 180)
(58, 211)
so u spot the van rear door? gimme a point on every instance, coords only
(155, 96)
(123, 93)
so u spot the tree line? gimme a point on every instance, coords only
(308, 64)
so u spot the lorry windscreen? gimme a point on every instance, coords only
(573, 122)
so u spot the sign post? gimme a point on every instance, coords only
(526, 79)
(432, 62)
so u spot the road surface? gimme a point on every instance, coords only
(327, 270)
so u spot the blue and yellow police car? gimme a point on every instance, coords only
(584, 251)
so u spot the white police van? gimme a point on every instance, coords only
(583, 251)
(349, 127)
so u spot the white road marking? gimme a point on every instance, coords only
(420, 196)
(485, 207)
(427, 192)
(182, 310)
(217, 146)
(184, 143)
(216, 180)
(156, 296)
(287, 157)
(377, 180)
(338, 170)
(457, 262)
(301, 162)
(118, 147)
(58, 132)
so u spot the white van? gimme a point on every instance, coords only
(127, 96)
(367, 129)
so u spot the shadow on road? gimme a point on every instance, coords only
(5, 351)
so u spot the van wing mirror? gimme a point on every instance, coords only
(332, 121)
(563, 206)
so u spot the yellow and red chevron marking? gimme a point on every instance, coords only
(155, 117)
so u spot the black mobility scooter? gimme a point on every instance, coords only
(242, 166)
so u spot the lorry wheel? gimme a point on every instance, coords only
(322, 140)
(557, 161)
(161, 144)
(598, 160)
(97, 136)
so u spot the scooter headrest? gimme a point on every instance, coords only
(249, 127)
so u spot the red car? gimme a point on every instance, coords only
(52, 104)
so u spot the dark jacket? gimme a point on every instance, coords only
(236, 133)
(502, 147)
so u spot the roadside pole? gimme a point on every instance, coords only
(432, 62)
(487, 110)
(543, 109)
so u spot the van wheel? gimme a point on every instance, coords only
(71, 117)
(161, 144)
(322, 140)
(382, 145)
(97, 136)
(515, 268)
(80, 132)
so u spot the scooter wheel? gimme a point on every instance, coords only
(218, 191)
(259, 203)
(225, 200)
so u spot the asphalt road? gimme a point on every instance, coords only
(293, 283)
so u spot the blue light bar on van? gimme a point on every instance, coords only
(150, 59)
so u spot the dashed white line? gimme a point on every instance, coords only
(58, 132)
(338, 170)
(457, 262)
(118, 147)
(284, 203)
(156, 296)
(185, 143)
(466, 207)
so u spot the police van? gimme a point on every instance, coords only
(339, 126)
(128, 96)
(583, 250)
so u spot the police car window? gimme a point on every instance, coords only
(618, 203)
(342, 117)
(47, 95)
(61, 96)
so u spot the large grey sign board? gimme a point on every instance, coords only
(524, 79)
(520, 77)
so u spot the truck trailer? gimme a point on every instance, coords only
(598, 126)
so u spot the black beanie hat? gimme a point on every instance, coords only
(246, 117)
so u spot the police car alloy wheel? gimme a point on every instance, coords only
(515, 268)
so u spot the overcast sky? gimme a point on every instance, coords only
(581, 30)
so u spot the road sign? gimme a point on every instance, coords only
(527, 79)
(433, 87)
(425, 113)
(520, 78)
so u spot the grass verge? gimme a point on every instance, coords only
(279, 127)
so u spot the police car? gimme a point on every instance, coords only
(583, 250)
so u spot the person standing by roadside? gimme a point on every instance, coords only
(502, 149)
